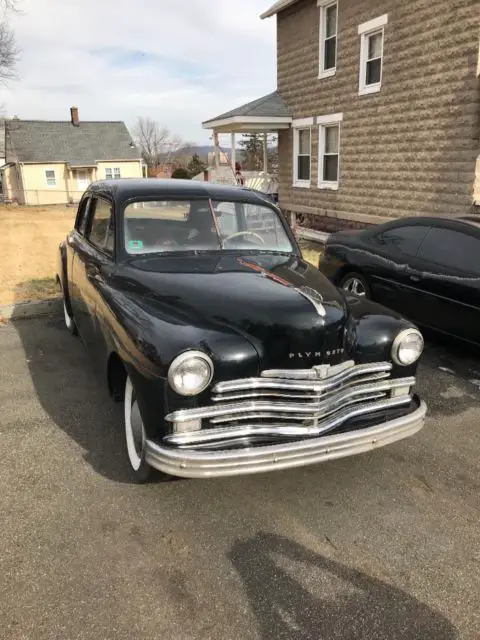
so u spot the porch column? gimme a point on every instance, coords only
(232, 142)
(265, 153)
(217, 150)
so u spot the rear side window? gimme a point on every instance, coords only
(406, 240)
(102, 227)
(82, 216)
(452, 249)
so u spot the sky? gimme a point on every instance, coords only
(179, 62)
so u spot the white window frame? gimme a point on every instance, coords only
(324, 5)
(54, 185)
(299, 125)
(334, 119)
(365, 31)
(113, 171)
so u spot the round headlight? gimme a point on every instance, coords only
(407, 347)
(190, 373)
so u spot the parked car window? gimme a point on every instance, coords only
(406, 240)
(82, 216)
(102, 227)
(173, 225)
(452, 249)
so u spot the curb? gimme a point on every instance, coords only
(33, 309)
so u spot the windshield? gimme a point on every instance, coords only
(206, 225)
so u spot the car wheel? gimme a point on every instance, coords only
(69, 321)
(135, 436)
(355, 284)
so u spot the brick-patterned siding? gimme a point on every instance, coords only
(411, 148)
(476, 188)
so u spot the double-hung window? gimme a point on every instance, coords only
(302, 152)
(329, 150)
(112, 173)
(372, 35)
(328, 38)
(50, 177)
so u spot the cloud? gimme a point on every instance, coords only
(179, 62)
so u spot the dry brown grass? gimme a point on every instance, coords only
(311, 251)
(29, 238)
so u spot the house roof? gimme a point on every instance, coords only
(61, 141)
(277, 7)
(269, 106)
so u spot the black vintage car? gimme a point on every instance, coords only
(426, 268)
(231, 354)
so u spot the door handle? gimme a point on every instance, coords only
(415, 278)
(93, 272)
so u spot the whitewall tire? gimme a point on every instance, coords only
(69, 321)
(135, 436)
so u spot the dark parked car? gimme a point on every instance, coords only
(230, 353)
(428, 269)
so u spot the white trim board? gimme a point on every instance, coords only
(260, 120)
(330, 119)
(372, 25)
(299, 123)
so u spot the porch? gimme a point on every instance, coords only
(263, 116)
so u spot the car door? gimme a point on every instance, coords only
(93, 265)
(449, 268)
(392, 274)
(74, 241)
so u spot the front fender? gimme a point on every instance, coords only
(371, 331)
(148, 342)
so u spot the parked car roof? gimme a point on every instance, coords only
(126, 188)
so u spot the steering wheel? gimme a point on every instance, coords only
(245, 233)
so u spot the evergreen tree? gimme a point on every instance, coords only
(196, 165)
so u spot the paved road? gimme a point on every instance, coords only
(384, 545)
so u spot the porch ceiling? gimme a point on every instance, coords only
(268, 113)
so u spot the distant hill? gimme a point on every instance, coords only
(201, 151)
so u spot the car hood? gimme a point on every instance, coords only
(290, 313)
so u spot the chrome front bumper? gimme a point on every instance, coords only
(190, 463)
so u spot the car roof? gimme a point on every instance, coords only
(127, 188)
(441, 221)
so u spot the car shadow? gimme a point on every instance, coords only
(72, 394)
(296, 593)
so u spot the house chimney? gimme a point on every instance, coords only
(74, 116)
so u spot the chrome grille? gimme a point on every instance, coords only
(292, 402)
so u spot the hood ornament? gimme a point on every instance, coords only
(315, 298)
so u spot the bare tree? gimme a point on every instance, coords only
(155, 142)
(8, 49)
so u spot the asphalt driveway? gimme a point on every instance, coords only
(384, 545)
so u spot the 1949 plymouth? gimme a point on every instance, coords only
(231, 354)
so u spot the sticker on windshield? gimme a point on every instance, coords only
(135, 245)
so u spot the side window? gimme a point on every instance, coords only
(226, 218)
(406, 240)
(452, 249)
(82, 216)
(102, 227)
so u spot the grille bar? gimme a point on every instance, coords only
(302, 379)
(229, 434)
